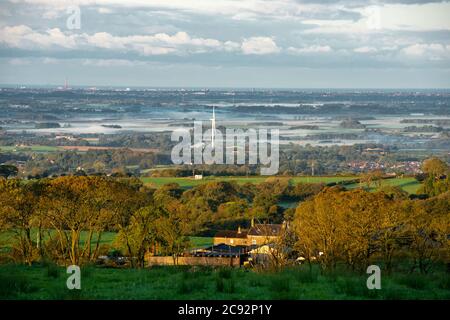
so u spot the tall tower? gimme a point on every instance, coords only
(66, 84)
(213, 128)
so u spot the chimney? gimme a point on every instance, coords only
(239, 230)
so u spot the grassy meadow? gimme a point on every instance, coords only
(408, 184)
(49, 282)
(7, 238)
(188, 182)
(29, 149)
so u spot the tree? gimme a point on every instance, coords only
(140, 233)
(344, 226)
(438, 180)
(7, 171)
(19, 211)
(435, 167)
(316, 223)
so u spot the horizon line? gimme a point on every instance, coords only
(178, 87)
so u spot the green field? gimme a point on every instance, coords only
(188, 182)
(49, 282)
(7, 238)
(408, 184)
(28, 149)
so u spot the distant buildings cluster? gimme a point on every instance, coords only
(409, 167)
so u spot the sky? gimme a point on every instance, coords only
(226, 43)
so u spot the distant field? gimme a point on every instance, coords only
(409, 184)
(87, 148)
(67, 148)
(188, 182)
(28, 149)
(108, 238)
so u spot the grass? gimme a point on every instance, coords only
(7, 238)
(36, 282)
(408, 184)
(189, 182)
(29, 148)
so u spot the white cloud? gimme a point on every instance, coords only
(104, 10)
(24, 37)
(19, 62)
(259, 46)
(112, 63)
(393, 17)
(155, 44)
(365, 49)
(433, 51)
(310, 49)
(48, 60)
(235, 9)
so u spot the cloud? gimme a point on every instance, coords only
(112, 63)
(392, 17)
(365, 49)
(310, 49)
(433, 51)
(259, 46)
(234, 9)
(19, 62)
(24, 37)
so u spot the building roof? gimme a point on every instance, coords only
(222, 250)
(231, 234)
(265, 230)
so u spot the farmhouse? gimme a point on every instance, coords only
(230, 248)
(257, 235)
